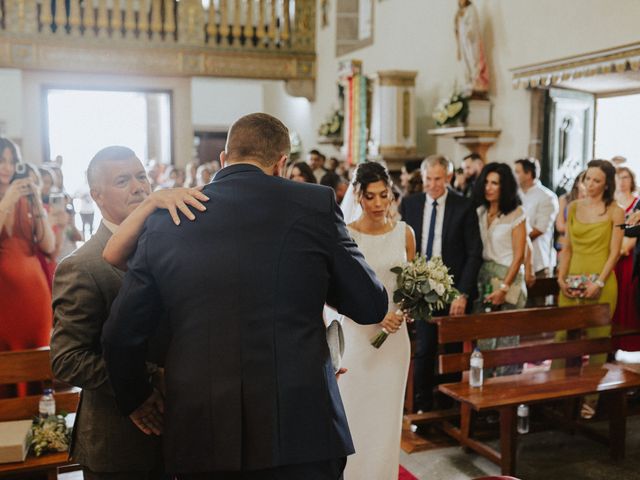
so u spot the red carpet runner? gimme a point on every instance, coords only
(405, 474)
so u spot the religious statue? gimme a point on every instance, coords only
(470, 49)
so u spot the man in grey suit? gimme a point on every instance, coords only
(107, 444)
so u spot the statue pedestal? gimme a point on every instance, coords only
(475, 139)
(480, 113)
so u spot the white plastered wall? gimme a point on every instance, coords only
(418, 35)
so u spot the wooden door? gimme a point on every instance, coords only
(569, 136)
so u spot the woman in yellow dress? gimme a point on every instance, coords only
(591, 248)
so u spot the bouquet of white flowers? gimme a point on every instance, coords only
(422, 287)
(333, 126)
(452, 110)
(50, 434)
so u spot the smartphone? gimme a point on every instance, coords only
(21, 172)
(57, 203)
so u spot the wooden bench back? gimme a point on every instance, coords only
(470, 328)
(31, 366)
(543, 288)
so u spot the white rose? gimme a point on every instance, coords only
(439, 289)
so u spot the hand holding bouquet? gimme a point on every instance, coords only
(422, 287)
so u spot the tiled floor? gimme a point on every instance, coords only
(546, 455)
(541, 456)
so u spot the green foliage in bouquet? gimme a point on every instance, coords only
(452, 111)
(50, 435)
(423, 286)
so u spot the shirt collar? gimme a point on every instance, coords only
(532, 188)
(113, 228)
(440, 200)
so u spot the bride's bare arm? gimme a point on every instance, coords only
(122, 244)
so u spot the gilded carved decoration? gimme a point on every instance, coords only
(305, 26)
(20, 16)
(129, 18)
(229, 39)
(116, 18)
(613, 60)
(46, 17)
(103, 18)
(89, 18)
(74, 18)
(143, 18)
(237, 23)
(60, 16)
(169, 26)
(301, 88)
(191, 22)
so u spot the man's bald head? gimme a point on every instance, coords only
(118, 182)
(105, 157)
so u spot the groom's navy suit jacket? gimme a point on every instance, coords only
(249, 380)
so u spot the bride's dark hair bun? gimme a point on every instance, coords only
(370, 172)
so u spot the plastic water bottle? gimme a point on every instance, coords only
(487, 306)
(475, 373)
(47, 404)
(523, 418)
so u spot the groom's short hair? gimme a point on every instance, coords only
(258, 136)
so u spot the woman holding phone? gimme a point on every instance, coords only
(25, 302)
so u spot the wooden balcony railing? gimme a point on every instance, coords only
(235, 38)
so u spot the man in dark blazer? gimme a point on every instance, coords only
(250, 388)
(446, 225)
(106, 444)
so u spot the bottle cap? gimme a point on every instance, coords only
(523, 410)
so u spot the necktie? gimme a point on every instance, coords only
(432, 229)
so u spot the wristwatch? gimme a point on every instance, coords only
(599, 282)
(504, 287)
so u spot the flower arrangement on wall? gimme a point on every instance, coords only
(333, 126)
(452, 111)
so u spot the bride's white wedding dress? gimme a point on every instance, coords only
(373, 388)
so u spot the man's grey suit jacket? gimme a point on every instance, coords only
(83, 290)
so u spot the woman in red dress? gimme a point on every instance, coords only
(626, 315)
(25, 299)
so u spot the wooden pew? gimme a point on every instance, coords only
(506, 393)
(545, 287)
(33, 366)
